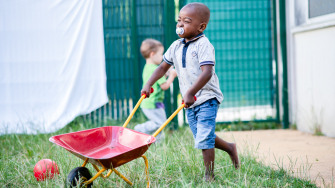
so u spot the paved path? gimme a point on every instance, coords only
(305, 155)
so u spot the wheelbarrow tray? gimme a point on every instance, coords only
(112, 146)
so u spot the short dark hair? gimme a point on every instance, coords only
(202, 10)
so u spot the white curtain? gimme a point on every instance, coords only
(52, 63)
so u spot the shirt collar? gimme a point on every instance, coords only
(194, 39)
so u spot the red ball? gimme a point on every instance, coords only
(45, 168)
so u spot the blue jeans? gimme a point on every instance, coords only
(202, 123)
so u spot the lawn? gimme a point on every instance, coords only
(172, 163)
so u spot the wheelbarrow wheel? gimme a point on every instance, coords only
(78, 175)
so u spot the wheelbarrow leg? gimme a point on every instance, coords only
(85, 162)
(146, 169)
(121, 176)
(97, 169)
(108, 173)
(101, 171)
(95, 177)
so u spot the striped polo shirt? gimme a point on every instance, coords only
(187, 58)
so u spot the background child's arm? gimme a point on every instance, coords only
(159, 72)
(172, 75)
(204, 77)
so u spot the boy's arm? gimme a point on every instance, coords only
(204, 77)
(166, 85)
(158, 73)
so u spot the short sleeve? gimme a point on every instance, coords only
(206, 53)
(168, 56)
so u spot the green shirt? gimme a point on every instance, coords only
(158, 94)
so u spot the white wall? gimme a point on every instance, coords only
(311, 69)
(315, 80)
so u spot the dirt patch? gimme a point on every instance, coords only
(304, 155)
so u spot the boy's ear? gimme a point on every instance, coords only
(202, 27)
(151, 54)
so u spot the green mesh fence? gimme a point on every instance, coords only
(119, 56)
(126, 24)
(240, 30)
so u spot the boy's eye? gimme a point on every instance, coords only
(187, 21)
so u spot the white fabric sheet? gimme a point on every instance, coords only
(52, 63)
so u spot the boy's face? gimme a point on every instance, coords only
(157, 57)
(189, 20)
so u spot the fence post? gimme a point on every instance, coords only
(275, 57)
(282, 27)
(134, 49)
(169, 37)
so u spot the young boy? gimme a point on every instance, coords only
(153, 107)
(193, 57)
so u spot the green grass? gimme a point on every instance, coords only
(172, 163)
(246, 126)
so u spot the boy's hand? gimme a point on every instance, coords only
(146, 90)
(188, 100)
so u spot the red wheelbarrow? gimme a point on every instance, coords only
(108, 148)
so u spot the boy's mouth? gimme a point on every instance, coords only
(179, 30)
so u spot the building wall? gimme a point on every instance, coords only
(315, 80)
(311, 67)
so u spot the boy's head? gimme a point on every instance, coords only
(193, 18)
(152, 50)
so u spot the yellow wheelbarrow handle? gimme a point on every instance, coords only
(170, 118)
(135, 108)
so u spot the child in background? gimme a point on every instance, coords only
(193, 57)
(153, 107)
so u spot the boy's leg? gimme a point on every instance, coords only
(209, 157)
(157, 115)
(202, 123)
(156, 118)
(147, 127)
(230, 148)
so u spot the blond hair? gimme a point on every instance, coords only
(148, 46)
